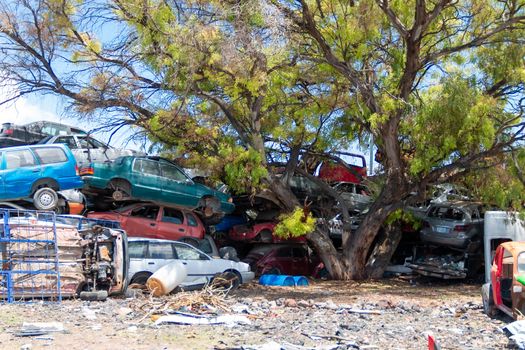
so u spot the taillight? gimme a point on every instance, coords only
(76, 170)
(8, 132)
(87, 171)
(461, 228)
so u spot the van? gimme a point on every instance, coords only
(35, 174)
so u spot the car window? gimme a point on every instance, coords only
(446, 213)
(298, 253)
(137, 250)
(19, 159)
(54, 129)
(147, 212)
(172, 215)
(146, 166)
(191, 220)
(346, 187)
(158, 250)
(69, 141)
(521, 262)
(172, 172)
(186, 253)
(89, 142)
(50, 155)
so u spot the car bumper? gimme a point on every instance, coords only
(247, 276)
(443, 239)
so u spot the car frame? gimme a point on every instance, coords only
(151, 220)
(28, 173)
(201, 267)
(18, 135)
(155, 179)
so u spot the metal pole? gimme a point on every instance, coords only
(371, 146)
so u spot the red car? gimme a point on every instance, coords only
(155, 221)
(346, 167)
(287, 259)
(260, 232)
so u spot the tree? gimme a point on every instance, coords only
(438, 85)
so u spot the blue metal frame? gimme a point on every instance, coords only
(26, 277)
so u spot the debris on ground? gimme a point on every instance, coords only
(31, 329)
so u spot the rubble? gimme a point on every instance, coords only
(388, 315)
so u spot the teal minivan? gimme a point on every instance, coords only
(35, 173)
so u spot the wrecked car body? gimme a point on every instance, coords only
(73, 259)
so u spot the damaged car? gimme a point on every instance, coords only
(88, 260)
(158, 180)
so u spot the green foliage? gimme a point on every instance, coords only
(245, 170)
(404, 217)
(295, 224)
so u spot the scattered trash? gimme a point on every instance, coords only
(516, 333)
(192, 319)
(89, 314)
(39, 328)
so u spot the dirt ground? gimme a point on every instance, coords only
(320, 316)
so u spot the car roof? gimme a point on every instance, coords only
(158, 240)
(16, 148)
(457, 204)
(181, 208)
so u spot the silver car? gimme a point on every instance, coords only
(453, 224)
(149, 255)
(87, 149)
(355, 195)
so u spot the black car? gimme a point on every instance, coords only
(28, 134)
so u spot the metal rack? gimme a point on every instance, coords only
(29, 257)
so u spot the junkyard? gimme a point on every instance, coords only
(262, 174)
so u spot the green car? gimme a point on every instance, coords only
(154, 179)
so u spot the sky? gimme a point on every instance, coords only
(33, 108)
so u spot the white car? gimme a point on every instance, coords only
(355, 195)
(87, 149)
(148, 255)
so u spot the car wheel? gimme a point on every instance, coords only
(140, 278)
(45, 199)
(229, 280)
(98, 295)
(121, 189)
(265, 236)
(210, 206)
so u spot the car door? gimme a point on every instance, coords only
(94, 151)
(199, 267)
(194, 226)
(137, 251)
(177, 187)
(145, 178)
(171, 224)
(141, 221)
(21, 171)
(159, 254)
(495, 275)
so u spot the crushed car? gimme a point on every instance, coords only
(92, 259)
(28, 134)
(155, 221)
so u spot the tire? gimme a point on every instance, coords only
(140, 278)
(488, 300)
(229, 280)
(98, 295)
(210, 206)
(265, 236)
(45, 198)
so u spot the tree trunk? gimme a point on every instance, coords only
(336, 266)
(358, 246)
(385, 247)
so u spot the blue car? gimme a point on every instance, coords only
(35, 173)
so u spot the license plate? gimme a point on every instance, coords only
(442, 229)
